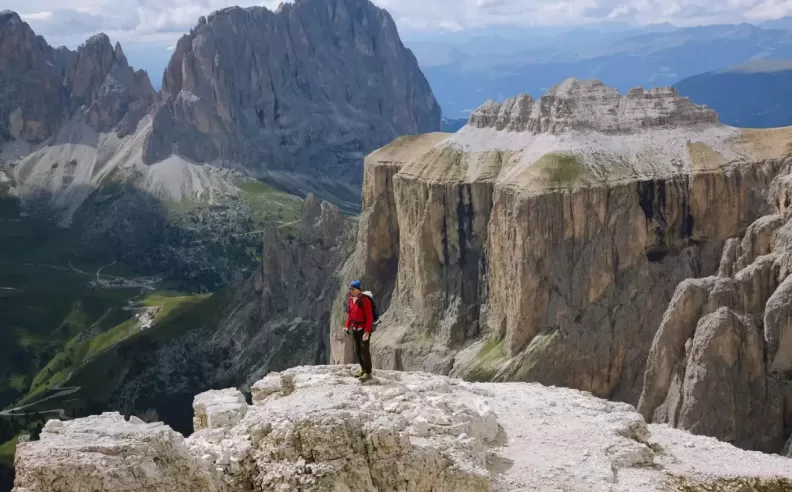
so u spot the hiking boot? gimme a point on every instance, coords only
(366, 376)
(359, 373)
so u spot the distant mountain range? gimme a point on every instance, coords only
(466, 68)
(452, 125)
(754, 95)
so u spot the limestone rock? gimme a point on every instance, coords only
(218, 408)
(400, 432)
(31, 105)
(585, 105)
(100, 79)
(231, 93)
(104, 453)
(544, 240)
(248, 92)
(725, 391)
(778, 328)
(41, 86)
(724, 370)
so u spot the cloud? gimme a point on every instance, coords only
(163, 21)
(68, 22)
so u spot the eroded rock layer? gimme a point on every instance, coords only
(591, 105)
(720, 362)
(549, 252)
(318, 429)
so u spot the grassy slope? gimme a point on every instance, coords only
(77, 353)
(488, 361)
(188, 313)
(7, 452)
(44, 302)
(271, 205)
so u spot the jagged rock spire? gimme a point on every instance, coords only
(590, 105)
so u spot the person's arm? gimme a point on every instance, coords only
(349, 316)
(369, 315)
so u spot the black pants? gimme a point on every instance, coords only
(362, 350)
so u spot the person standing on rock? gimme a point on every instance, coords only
(360, 319)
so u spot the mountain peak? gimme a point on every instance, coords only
(98, 39)
(279, 66)
(119, 52)
(590, 105)
(8, 17)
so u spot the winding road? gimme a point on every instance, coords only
(101, 281)
(62, 391)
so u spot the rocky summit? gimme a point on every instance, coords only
(266, 90)
(545, 240)
(317, 429)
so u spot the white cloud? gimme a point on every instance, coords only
(163, 21)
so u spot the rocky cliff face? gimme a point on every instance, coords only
(543, 241)
(591, 106)
(42, 86)
(31, 75)
(317, 429)
(252, 90)
(100, 79)
(720, 362)
(282, 323)
(264, 90)
(55, 107)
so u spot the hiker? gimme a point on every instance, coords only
(360, 319)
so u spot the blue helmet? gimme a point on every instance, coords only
(356, 285)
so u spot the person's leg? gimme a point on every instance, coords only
(365, 356)
(358, 337)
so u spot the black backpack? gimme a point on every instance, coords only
(374, 311)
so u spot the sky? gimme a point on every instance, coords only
(143, 24)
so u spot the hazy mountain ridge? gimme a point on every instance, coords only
(468, 68)
(751, 95)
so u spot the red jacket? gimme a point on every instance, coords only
(360, 313)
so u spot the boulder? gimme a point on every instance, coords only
(218, 408)
(105, 452)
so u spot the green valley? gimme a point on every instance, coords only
(79, 313)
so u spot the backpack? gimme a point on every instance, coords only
(374, 310)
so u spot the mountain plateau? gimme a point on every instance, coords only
(544, 242)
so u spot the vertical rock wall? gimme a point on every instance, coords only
(563, 287)
(718, 364)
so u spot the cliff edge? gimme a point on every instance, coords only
(317, 428)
